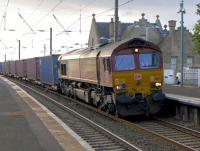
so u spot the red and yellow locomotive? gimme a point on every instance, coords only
(123, 78)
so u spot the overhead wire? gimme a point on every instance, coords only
(36, 8)
(82, 8)
(42, 18)
(99, 13)
(108, 10)
(4, 15)
(26, 23)
(59, 23)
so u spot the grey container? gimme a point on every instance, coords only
(20, 68)
(49, 69)
(33, 69)
(12, 68)
(7, 68)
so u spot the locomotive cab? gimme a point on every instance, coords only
(137, 80)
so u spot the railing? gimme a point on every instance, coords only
(191, 76)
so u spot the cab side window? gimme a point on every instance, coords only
(63, 69)
(106, 64)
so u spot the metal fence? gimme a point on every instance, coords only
(191, 77)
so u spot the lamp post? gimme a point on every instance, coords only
(50, 41)
(44, 50)
(116, 22)
(19, 42)
(182, 11)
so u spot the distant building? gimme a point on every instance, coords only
(104, 31)
(168, 40)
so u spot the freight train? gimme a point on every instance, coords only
(123, 78)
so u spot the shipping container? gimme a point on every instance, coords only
(24, 68)
(7, 67)
(1, 67)
(33, 69)
(12, 68)
(49, 69)
(21, 68)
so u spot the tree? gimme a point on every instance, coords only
(196, 35)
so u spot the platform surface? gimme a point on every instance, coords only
(25, 125)
(186, 95)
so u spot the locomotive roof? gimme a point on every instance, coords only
(74, 54)
(108, 49)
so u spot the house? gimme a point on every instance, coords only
(100, 32)
(168, 40)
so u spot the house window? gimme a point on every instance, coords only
(63, 69)
(173, 63)
(189, 61)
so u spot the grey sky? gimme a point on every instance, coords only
(68, 10)
(39, 15)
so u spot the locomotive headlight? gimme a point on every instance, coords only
(158, 84)
(121, 87)
(136, 50)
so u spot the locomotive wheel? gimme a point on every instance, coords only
(110, 108)
(116, 114)
(107, 111)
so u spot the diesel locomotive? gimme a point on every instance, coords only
(123, 78)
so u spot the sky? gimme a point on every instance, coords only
(30, 21)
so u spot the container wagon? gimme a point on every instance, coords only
(49, 70)
(7, 68)
(12, 68)
(21, 69)
(1, 68)
(33, 69)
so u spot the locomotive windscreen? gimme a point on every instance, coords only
(124, 62)
(149, 60)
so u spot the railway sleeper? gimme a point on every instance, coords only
(103, 142)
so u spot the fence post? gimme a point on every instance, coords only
(198, 71)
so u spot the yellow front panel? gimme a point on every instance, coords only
(138, 81)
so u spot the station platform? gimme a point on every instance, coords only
(26, 125)
(188, 106)
(185, 95)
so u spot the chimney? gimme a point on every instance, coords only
(172, 25)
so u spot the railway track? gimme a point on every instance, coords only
(179, 135)
(99, 138)
(183, 138)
